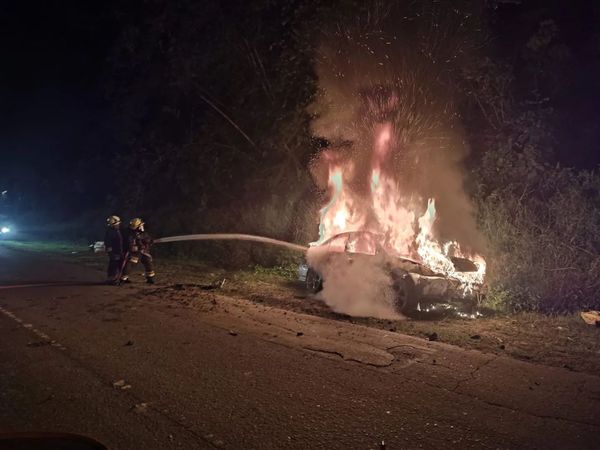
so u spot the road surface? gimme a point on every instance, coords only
(138, 370)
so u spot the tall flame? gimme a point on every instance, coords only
(341, 212)
(386, 212)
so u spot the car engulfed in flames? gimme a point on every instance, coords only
(413, 286)
(380, 222)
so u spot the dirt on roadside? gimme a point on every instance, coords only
(560, 341)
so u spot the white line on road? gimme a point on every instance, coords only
(31, 328)
(207, 440)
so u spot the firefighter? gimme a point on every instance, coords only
(115, 246)
(139, 243)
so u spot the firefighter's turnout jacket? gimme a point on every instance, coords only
(138, 247)
(115, 244)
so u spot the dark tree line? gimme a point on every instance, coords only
(212, 99)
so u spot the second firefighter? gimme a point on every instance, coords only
(139, 243)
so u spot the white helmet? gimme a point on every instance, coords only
(113, 221)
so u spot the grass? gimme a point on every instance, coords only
(287, 272)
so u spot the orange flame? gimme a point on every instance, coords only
(386, 212)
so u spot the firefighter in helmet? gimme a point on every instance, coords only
(139, 243)
(115, 246)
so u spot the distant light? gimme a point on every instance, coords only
(4, 230)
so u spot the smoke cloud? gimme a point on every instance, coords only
(360, 288)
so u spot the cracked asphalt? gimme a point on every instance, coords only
(135, 368)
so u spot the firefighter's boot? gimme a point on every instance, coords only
(147, 261)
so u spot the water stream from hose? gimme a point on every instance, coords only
(232, 237)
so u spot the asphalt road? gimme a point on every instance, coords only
(141, 371)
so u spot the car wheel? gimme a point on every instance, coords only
(405, 298)
(314, 282)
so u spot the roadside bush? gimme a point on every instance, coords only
(543, 226)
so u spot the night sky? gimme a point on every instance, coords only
(55, 119)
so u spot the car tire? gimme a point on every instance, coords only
(405, 298)
(314, 282)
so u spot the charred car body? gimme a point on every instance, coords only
(413, 285)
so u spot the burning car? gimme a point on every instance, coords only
(412, 285)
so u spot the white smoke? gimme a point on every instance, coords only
(359, 287)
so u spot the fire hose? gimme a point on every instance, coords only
(232, 237)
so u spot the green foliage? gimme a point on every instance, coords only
(542, 223)
(497, 299)
(541, 220)
(289, 271)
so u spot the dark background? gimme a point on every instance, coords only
(55, 123)
(59, 131)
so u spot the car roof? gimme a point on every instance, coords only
(369, 233)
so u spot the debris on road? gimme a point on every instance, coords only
(128, 343)
(121, 384)
(591, 317)
(432, 336)
(233, 332)
(97, 247)
(141, 408)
